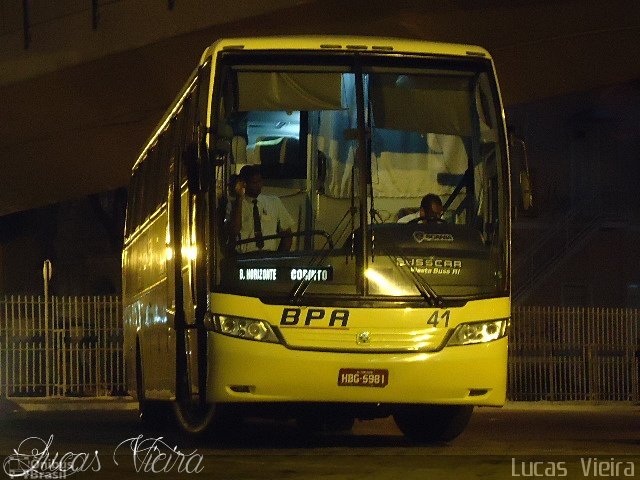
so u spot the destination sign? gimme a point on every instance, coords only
(285, 274)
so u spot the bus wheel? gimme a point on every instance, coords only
(213, 421)
(432, 423)
(194, 419)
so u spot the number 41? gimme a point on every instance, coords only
(436, 318)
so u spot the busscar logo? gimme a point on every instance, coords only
(420, 236)
(431, 265)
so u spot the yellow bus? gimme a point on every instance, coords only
(280, 253)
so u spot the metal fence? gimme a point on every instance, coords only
(68, 346)
(72, 346)
(560, 353)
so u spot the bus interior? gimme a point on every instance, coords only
(319, 132)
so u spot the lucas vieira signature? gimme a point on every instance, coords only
(153, 455)
(34, 458)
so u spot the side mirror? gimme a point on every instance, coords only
(525, 190)
(520, 166)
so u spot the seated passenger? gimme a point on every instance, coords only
(252, 214)
(430, 211)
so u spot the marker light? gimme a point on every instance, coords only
(240, 327)
(478, 332)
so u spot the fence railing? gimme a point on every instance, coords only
(74, 348)
(564, 353)
(71, 346)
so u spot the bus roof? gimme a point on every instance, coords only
(321, 43)
(345, 43)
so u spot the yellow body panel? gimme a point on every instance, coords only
(305, 368)
(389, 45)
(268, 372)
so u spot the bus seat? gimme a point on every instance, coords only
(289, 150)
(296, 206)
(268, 151)
(390, 209)
(239, 150)
(278, 157)
(403, 212)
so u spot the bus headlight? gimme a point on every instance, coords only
(240, 327)
(478, 332)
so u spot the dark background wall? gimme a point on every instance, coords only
(79, 102)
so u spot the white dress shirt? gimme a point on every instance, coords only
(274, 218)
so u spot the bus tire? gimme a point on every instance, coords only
(432, 423)
(194, 420)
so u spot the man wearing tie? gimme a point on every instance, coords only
(254, 215)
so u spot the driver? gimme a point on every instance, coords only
(252, 214)
(430, 210)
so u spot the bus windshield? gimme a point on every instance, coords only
(334, 164)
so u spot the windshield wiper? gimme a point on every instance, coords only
(425, 289)
(319, 257)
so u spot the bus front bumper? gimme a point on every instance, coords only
(248, 371)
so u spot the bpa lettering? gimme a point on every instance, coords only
(291, 316)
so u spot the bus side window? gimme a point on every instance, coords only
(166, 147)
(204, 78)
(138, 210)
(162, 166)
(149, 189)
(132, 215)
(187, 131)
(176, 137)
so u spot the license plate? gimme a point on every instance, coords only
(362, 377)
